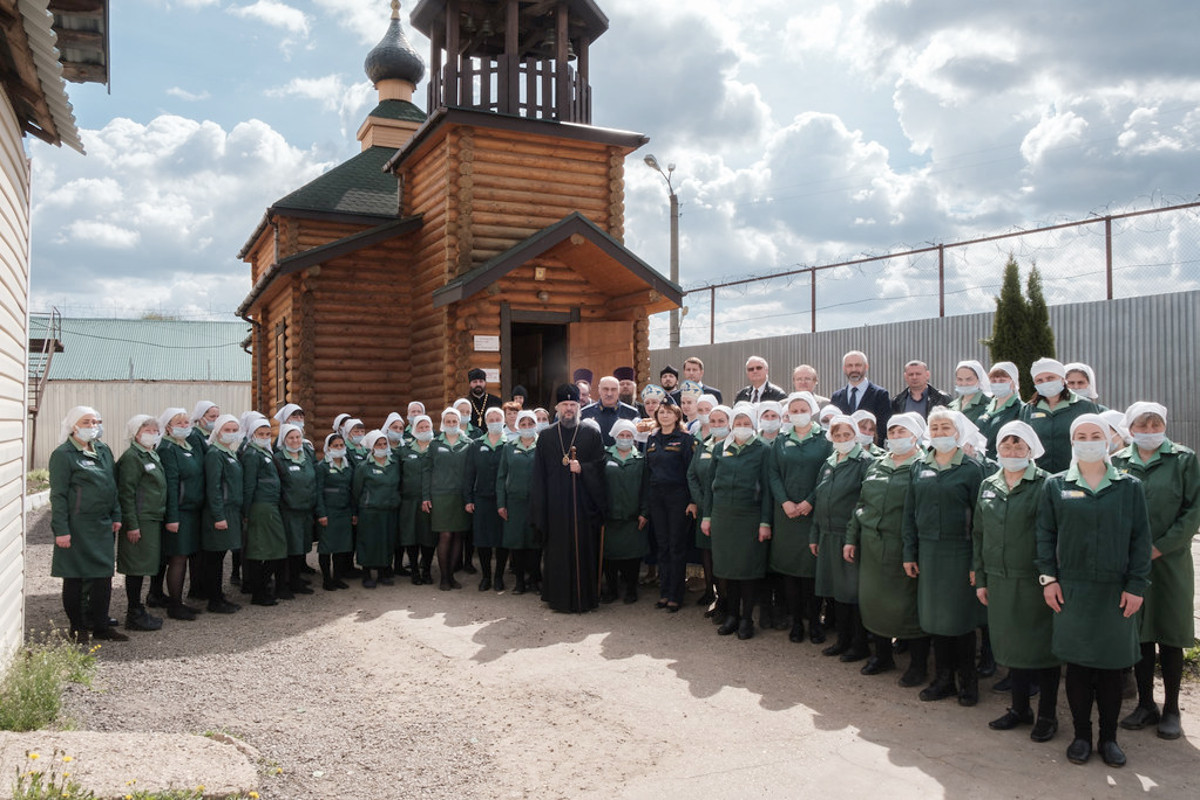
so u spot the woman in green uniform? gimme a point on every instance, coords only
(376, 488)
(479, 499)
(441, 492)
(1005, 381)
(416, 537)
(297, 501)
(266, 538)
(938, 549)
(463, 406)
(1171, 480)
(204, 416)
(512, 501)
(85, 515)
(626, 514)
(1081, 379)
(183, 467)
(335, 512)
(887, 597)
(142, 491)
(699, 480)
(1019, 622)
(352, 433)
(970, 388)
(738, 518)
(1052, 411)
(795, 467)
(221, 520)
(834, 499)
(1093, 544)
(866, 428)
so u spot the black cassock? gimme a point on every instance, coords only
(568, 510)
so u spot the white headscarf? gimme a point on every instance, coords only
(622, 425)
(448, 410)
(980, 374)
(245, 420)
(1116, 421)
(1009, 369)
(1024, 432)
(1093, 419)
(387, 423)
(813, 408)
(911, 422)
(829, 410)
(73, 416)
(840, 419)
(221, 422)
(1051, 365)
(417, 421)
(860, 415)
(456, 404)
(202, 408)
(285, 413)
(711, 399)
(284, 430)
(1142, 407)
(371, 439)
(135, 424)
(1090, 393)
(254, 425)
(349, 425)
(338, 421)
(726, 410)
(325, 452)
(417, 403)
(746, 409)
(964, 428)
(164, 419)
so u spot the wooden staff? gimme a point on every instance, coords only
(575, 530)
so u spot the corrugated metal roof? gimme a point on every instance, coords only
(148, 350)
(42, 42)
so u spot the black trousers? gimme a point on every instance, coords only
(99, 591)
(1086, 685)
(1047, 680)
(674, 531)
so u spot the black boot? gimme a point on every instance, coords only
(942, 687)
(968, 687)
(918, 665)
(501, 564)
(987, 659)
(609, 594)
(816, 631)
(138, 619)
(730, 625)
(882, 660)
(858, 649)
(842, 624)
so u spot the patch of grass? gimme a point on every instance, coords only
(1191, 662)
(37, 480)
(50, 778)
(31, 689)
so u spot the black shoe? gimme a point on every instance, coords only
(284, 593)
(766, 617)
(142, 621)
(968, 692)
(485, 582)
(1079, 751)
(661, 603)
(498, 582)
(384, 580)
(1112, 754)
(235, 578)
(900, 647)
(706, 599)
(987, 667)
(816, 633)
(454, 584)
(307, 570)
(746, 629)
(1169, 726)
(263, 600)
(469, 569)
(797, 633)
(403, 572)
(941, 688)
(631, 595)
(444, 586)
(338, 583)
(876, 665)
(607, 596)
(369, 583)
(109, 634)
(181, 612)
(854, 654)
(913, 676)
(223, 607)
(328, 585)
(730, 625)
(1044, 729)
(426, 577)
(1141, 717)
(157, 601)
(1003, 686)
(837, 648)
(302, 588)
(1010, 720)
(415, 576)
(783, 620)
(519, 586)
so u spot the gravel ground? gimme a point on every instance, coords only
(410, 692)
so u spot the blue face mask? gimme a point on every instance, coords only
(423, 436)
(495, 427)
(944, 444)
(181, 432)
(338, 453)
(1050, 388)
(527, 433)
(450, 430)
(1002, 389)
(393, 437)
(719, 433)
(356, 438)
(625, 444)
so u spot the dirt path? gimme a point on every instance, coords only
(411, 692)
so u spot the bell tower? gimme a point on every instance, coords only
(525, 58)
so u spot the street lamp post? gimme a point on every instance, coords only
(652, 162)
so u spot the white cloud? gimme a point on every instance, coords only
(89, 233)
(351, 101)
(366, 19)
(184, 94)
(279, 15)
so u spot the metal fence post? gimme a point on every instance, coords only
(1108, 271)
(712, 315)
(812, 300)
(941, 280)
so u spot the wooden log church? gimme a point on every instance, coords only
(487, 233)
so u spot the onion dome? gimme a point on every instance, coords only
(394, 58)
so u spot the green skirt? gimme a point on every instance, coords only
(185, 541)
(1020, 623)
(449, 514)
(266, 539)
(738, 555)
(1167, 616)
(622, 539)
(215, 541)
(836, 577)
(1091, 630)
(946, 599)
(414, 525)
(887, 597)
(298, 528)
(338, 535)
(486, 527)
(91, 552)
(518, 533)
(144, 557)
(376, 537)
(790, 554)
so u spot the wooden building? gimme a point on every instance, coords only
(486, 234)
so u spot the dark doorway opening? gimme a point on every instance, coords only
(539, 360)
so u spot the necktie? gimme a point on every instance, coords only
(754, 396)
(854, 398)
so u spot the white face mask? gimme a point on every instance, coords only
(541, 426)
(495, 427)
(1050, 388)
(207, 424)
(527, 433)
(339, 453)
(864, 439)
(719, 433)
(1013, 464)
(232, 440)
(395, 437)
(356, 438)
(263, 441)
(944, 444)
(86, 434)
(149, 440)
(1149, 441)
(181, 432)
(902, 445)
(844, 447)
(1002, 389)
(703, 418)
(625, 443)
(1089, 452)
(381, 453)
(299, 423)
(423, 436)
(450, 430)
(743, 433)
(771, 425)
(293, 450)
(963, 391)
(801, 420)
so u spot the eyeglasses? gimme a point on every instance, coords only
(754, 369)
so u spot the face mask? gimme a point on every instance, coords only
(423, 436)
(264, 443)
(1089, 452)
(299, 423)
(99, 429)
(902, 445)
(1050, 388)
(743, 433)
(1013, 464)
(801, 420)
(528, 433)
(381, 454)
(181, 432)
(87, 434)
(771, 425)
(625, 444)
(844, 447)
(1149, 441)
(864, 440)
(963, 391)
(207, 425)
(703, 418)
(393, 436)
(719, 433)
(357, 438)
(337, 453)
(450, 430)
(412, 418)
(541, 426)
(1002, 389)
(495, 427)
(944, 444)
(294, 450)
(149, 440)
(232, 440)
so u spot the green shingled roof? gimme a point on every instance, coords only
(398, 109)
(147, 350)
(357, 186)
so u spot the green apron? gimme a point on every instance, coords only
(740, 502)
(84, 506)
(796, 466)
(142, 490)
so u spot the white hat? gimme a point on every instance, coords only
(840, 419)
(221, 422)
(448, 410)
(911, 422)
(392, 418)
(980, 373)
(202, 408)
(1078, 366)
(285, 413)
(349, 425)
(246, 418)
(370, 439)
(137, 421)
(829, 410)
(419, 418)
(746, 409)
(284, 430)
(622, 425)
(769, 405)
(526, 414)
(1024, 432)
(1008, 368)
(724, 409)
(1116, 420)
(488, 412)
(73, 416)
(807, 397)
(711, 399)
(256, 424)
(164, 419)
(963, 427)
(1050, 365)
(1143, 407)
(459, 402)
(337, 422)
(417, 403)
(860, 415)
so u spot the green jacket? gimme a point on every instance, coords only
(377, 486)
(260, 479)
(482, 464)
(81, 485)
(141, 487)
(1054, 428)
(223, 487)
(184, 472)
(837, 493)
(298, 489)
(445, 467)
(335, 489)
(972, 407)
(741, 479)
(940, 501)
(514, 475)
(796, 465)
(1005, 526)
(880, 509)
(999, 413)
(623, 481)
(413, 463)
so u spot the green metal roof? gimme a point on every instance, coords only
(357, 186)
(147, 350)
(398, 109)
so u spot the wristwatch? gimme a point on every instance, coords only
(1046, 580)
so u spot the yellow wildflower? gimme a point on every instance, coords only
(128, 797)
(253, 796)
(67, 759)
(66, 774)
(34, 756)
(278, 770)
(200, 788)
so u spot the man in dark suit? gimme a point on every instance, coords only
(608, 409)
(693, 370)
(860, 394)
(760, 387)
(918, 396)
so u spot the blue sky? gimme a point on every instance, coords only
(804, 133)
